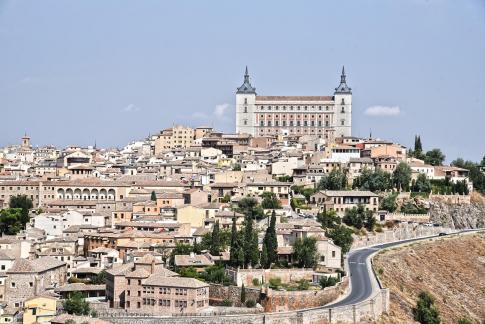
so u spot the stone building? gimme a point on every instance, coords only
(144, 286)
(28, 278)
(323, 116)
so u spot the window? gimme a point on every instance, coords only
(333, 254)
(269, 123)
(261, 123)
(342, 122)
(245, 109)
(343, 110)
(245, 122)
(245, 101)
(12, 285)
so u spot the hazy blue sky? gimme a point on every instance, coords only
(75, 71)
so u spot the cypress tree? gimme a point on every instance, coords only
(233, 248)
(243, 294)
(215, 248)
(270, 243)
(153, 196)
(248, 237)
(254, 249)
(264, 258)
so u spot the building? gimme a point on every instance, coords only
(39, 309)
(341, 201)
(175, 137)
(146, 287)
(323, 116)
(28, 278)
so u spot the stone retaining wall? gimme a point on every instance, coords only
(218, 293)
(404, 232)
(246, 276)
(278, 301)
(370, 309)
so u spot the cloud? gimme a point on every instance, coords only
(131, 108)
(221, 109)
(385, 111)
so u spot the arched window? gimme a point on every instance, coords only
(245, 109)
(343, 109)
(343, 101)
(245, 101)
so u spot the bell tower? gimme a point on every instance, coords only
(246, 107)
(26, 142)
(343, 108)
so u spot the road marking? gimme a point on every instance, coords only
(361, 263)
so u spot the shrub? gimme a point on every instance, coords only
(275, 283)
(250, 303)
(256, 282)
(303, 284)
(464, 321)
(227, 303)
(327, 282)
(425, 311)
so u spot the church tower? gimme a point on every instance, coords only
(343, 108)
(246, 107)
(26, 142)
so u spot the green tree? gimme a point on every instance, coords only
(341, 236)
(305, 252)
(234, 243)
(215, 248)
(402, 176)
(358, 217)
(464, 321)
(334, 180)
(329, 219)
(265, 263)
(24, 203)
(99, 279)
(76, 304)
(153, 196)
(422, 184)
(418, 147)
(434, 157)
(270, 243)
(270, 201)
(250, 208)
(10, 223)
(327, 281)
(251, 251)
(243, 294)
(389, 202)
(236, 167)
(377, 180)
(425, 311)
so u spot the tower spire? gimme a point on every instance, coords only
(246, 86)
(343, 88)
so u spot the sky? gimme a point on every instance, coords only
(113, 71)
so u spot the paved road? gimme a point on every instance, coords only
(361, 282)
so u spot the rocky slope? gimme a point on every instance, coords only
(450, 268)
(458, 216)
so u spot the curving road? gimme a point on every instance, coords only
(361, 282)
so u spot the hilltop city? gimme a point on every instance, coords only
(272, 223)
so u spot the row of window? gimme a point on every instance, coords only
(298, 123)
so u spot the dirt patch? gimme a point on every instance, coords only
(452, 269)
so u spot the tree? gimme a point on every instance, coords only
(215, 248)
(422, 184)
(10, 223)
(341, 236)
(425, 311)
(358, 217)
(377, 180)
(329, 219)
(153, 197)
(251, 208)
(305, 252)
(327, 281)
(389, 202)
(335, 180)
(464, 321)
(251, 251)
(76, 304)
(236, 167)
(243, 294)
(99, 279)
(418, 147)
(434, 157)
(270, 243)
(402, 176)
(265, 263)
(270, 201)
(23, 202)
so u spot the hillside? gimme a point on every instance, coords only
(452, 269)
